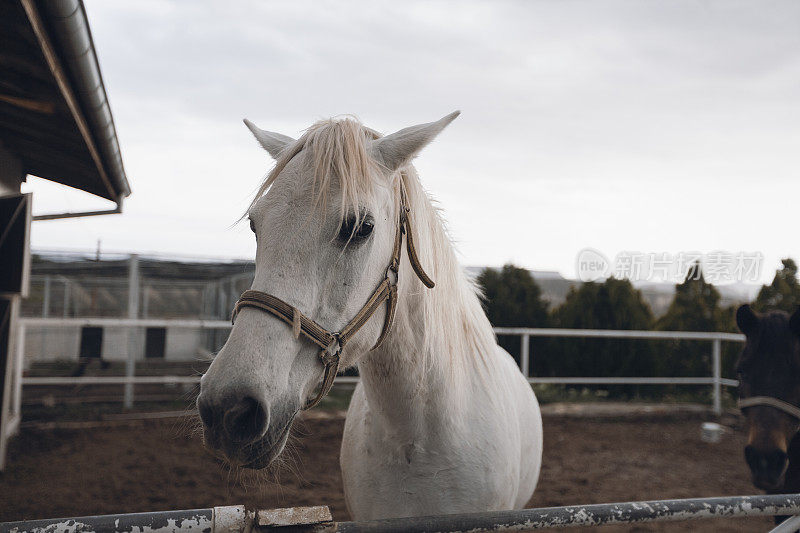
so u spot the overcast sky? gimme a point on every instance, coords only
(652, 126)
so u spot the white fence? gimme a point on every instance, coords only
(715, 338)
(715, 379)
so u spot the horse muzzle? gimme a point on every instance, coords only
(767, 467)
(243, 431)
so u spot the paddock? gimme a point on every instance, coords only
(160, 465)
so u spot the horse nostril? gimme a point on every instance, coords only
(776, 460)
(246, 421)
(206, 413)
(756, 459)
(750, 457)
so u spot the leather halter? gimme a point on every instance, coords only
(769, 401)
(332, 343)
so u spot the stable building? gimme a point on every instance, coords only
(56, 124)
(69, 285)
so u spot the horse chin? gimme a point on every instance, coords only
(768, 484)
(262, 453)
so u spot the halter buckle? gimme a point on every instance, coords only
(404, 211)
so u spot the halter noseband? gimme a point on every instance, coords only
(332, 343)
(769, 401)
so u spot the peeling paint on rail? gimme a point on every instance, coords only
(586, 515)
(235, 519)
(191, 521)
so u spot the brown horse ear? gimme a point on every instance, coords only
(794, 322)
(747, 320)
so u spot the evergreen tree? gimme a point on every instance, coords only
(695, 307)
(784, 291)
(513, 299)
(613, 304)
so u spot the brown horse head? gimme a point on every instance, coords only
(769, 366)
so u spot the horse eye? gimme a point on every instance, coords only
(350, 233)
(365, 228)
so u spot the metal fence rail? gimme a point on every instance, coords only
(236, 518)
(716, 338)
(587, 515)
(715, 380)
(217, 519)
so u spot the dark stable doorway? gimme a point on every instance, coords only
(91, 342)
(155, 343)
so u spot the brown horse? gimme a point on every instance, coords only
(769, 396)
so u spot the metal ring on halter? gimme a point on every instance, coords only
(331, 362)
(392, 274)
(328, 354)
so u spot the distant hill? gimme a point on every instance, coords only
(658, 295)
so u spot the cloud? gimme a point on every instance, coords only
(573, 112)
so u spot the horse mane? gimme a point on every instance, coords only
(774, 334)
(339, 151)
(454, 323)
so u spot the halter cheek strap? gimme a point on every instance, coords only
(332, 343)
(769, 401)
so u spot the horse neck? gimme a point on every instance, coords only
(439, 338)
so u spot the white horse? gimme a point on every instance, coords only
(442, 420)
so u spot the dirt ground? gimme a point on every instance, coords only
(159, 465)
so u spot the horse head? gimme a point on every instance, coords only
(327, 221)
(769, 391)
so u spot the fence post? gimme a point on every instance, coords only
(67, 288)
(46, 298)
(133, 312)
(16, 405)
(524, 355)
(716, 356)
(145, 301)
(45, 312)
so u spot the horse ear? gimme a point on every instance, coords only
(794, 322)
(274, 143)
(747, 320)
(397, 149)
